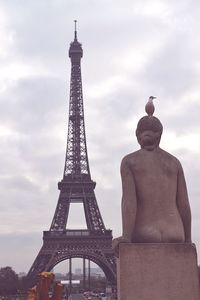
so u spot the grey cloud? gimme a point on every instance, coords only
(13, 245)
(187, 120)
(29, 102)
(35, 107)
(18, 182)
(171, 69)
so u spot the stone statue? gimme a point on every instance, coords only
(155, 206)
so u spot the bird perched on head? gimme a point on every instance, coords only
(149, 107)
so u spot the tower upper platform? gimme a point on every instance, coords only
(75, 50)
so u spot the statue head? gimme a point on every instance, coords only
(149, 131)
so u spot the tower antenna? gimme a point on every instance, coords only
(75, 30)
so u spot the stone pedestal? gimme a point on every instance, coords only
(157, 272)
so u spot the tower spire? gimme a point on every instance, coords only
(75, 30)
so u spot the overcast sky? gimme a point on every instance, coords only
(132, 49)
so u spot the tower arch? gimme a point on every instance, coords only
(101, 263)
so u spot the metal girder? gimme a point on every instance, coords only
(76, 186)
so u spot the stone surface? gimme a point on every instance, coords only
(157, 271)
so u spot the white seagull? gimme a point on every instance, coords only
(149, 107)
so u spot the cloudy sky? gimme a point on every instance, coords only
(132, 49)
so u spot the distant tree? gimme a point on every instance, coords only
(9, 281)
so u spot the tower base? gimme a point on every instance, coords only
(157, 271)
(60, 246)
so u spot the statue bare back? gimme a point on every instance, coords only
(155, 206)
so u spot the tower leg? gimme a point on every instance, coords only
(89, 274)
(70, 275)
(84, 286)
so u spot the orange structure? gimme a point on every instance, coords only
(41, 290)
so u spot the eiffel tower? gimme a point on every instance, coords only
(60, 243)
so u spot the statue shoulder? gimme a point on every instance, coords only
(170, 158)
(130, 158)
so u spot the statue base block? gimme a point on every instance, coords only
(157, 272)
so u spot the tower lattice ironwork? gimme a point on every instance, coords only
(60, 243)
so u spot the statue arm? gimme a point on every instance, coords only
(183, 204)
(129, 201)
